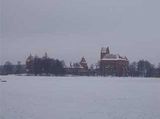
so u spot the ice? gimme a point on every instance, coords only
(29, 97)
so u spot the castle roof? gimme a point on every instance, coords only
(105, 55)
(114, 57)
(83, 61)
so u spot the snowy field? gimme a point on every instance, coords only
(23, 97)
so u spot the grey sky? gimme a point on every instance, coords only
(70, 29)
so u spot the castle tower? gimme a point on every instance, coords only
(104, 51)
(107, 50)
(45, 55)
(83, 63)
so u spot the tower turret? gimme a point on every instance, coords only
(83, 63)
(104, 51)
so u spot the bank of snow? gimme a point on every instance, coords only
(28, 97)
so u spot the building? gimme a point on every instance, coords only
(112, 64)
(80, 68)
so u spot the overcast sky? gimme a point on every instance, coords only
(70, 29)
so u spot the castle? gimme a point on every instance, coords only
(113, 64)
(109, 65)
(79, 68)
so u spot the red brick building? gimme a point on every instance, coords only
(113, 64)
(80, 68)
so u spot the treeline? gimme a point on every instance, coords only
(44, 66)
(10, 68)
(143, 68)
(49, 66)
(35, 66)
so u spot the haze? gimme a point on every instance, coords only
(70, 29)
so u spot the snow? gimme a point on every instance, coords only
(114, 57)
(28, 97)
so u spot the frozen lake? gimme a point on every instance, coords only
(23, 97)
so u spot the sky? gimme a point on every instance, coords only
(71, 29)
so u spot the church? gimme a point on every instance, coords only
(112, 64)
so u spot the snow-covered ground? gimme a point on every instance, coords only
(27, 97)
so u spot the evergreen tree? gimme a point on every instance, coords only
(30, 65)
(133, 71)
(145, 68)
(19, 68)
(44, 65)
(8, 68)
